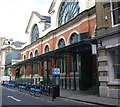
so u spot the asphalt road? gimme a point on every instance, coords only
(14, 97)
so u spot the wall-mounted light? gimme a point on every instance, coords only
(106, 18)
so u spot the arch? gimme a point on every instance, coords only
(45, 47)
(31, 54)
(68, 40)
(61, 43)
(58, 11)
(47, 44)
(36, 52)
(62, 37)
(67, 11)
(34, 33)
(74, 38)
(24, 57)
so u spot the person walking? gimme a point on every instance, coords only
(41, 79)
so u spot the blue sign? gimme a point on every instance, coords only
(56, 71)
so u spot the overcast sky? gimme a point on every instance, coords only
(15, 14)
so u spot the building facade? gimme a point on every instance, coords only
(12, 58)
(108, 33)
(63, 41)
(4, 50)
(6, 47)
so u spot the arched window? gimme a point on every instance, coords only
(31, 55)
(68, 11)
(24, 57)
(47, 49)
(35, 33)
(61, 43)
(74, 38)
(36, 53)
(36, 64)
(116, 12)
(62, 61)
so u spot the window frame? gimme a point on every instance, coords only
(75, 38)
(59, 43)
(112, 18)
(111, 72)
(24, 57)
(65, 11)
(31, 54)
(33, 35)
(47, 49)
(36, 53)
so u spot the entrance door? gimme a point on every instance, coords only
(86, 70)
(88, 75)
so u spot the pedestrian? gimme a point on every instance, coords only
(10, 74)
(41, 79)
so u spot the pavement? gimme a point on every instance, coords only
(89, 98)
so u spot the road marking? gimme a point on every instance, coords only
(14, 98)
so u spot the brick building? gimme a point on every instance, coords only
(62, 40)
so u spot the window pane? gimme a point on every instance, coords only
(74, 38)
(117, 71)
(31, 55)
(116, 12)
(69, 10)
(116, 16)
(36, 53)
(61, 43)
(47, 49)
(116, 62)
(115, 4)
(35, 33)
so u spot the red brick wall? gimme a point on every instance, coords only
(87, 26)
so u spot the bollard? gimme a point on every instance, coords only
(53, 93)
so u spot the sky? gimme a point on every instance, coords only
(15, 14)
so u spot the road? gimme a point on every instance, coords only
(14, 97)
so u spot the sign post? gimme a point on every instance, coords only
(56, 83)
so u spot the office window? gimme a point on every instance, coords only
(116, 12)
(115, 54)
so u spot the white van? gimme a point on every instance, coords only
(5, 78)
